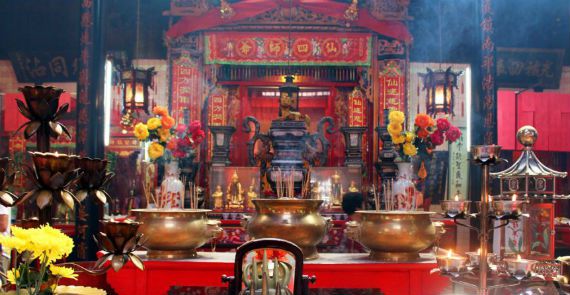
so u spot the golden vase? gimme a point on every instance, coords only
(175, 233)
(393, 235)
(295, 220)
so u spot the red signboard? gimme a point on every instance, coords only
(392, 84)
(217, 110)
(356, 109)
(186, 88)
(265, 48)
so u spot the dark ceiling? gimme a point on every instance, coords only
(52, 25)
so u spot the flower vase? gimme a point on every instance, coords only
(404, 190)
(172, 188)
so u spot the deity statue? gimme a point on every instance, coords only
(287, 106)
(336, 189)
(218, 196)
(251, 195)
(234, 194)
(352, 188)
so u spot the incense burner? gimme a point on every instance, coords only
(175, 233)
(393, 235)
(295, 220)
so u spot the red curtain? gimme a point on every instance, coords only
(548, 112)
(250, 8)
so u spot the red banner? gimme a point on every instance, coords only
(392, 83)
(356, 109)
(217, 112)
(186, 90)
(259, 48)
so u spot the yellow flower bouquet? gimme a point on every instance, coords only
(44, 245)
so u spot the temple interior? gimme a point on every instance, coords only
(285, 147)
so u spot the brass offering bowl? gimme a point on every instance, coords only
(295, 220)
(393, 235)
(175, 233)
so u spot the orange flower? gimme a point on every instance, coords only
(422, 133)
(167, 122)
(160, 111)
(423, 121)
(172, 144)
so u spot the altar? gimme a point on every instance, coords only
(333, 270)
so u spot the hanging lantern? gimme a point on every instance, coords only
(440, 96)
(289, 94)
(135, 83)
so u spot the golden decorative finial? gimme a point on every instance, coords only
(226, 10)
(351, 13)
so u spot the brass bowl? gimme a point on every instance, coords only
(175, 233)
(295, 220)
(393, 235)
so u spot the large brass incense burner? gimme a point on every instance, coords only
(295, 220)
(175, 233)
(393, 235)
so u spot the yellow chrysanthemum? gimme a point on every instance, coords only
(12, 276)
(396, 117)
(63, 272)
(399, 139)
(141, 131)
(410, 149)
(155, 150)
(153, 123)
(164, 134)
(410, 136)
(394, 129)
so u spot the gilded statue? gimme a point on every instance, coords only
(218, 196)
(287, 106)
(352, 188)
(336, 189)
(234, 193)
(251, 195)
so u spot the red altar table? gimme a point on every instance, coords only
(333, 270)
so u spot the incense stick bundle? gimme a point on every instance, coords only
(376, 200)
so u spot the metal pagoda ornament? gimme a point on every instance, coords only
(528, 176)
(440, 96)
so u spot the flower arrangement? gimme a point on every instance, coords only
(425, 136)
(45, 245)
(166, 139)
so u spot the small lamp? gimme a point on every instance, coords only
(135, 83)
(439, 84)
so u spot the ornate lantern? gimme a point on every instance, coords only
(439, 85)
(289, 91)
(135, 83)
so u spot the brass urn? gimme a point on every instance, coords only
(295, 220)
(393, 235)
(175, 233)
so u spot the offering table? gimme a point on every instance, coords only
(333, 270)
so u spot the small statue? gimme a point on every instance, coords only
(287, 111)
(352, 188)
(336, 190)
(234, 193)
(251, 195)
(218, 196)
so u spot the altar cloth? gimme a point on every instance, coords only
(333, 270)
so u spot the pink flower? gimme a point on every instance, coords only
(181, 128)
(194, 126)
(453, 134)
(437, 138)
(443, 124)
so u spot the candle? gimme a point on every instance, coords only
(450, 263)
(456, 198)
(519, 268)
(455, 207)
(514, 197)
(475, 257)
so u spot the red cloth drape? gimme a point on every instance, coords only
(548, 112)
(250, 8)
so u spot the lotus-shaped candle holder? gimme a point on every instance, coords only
(52, 175)
(7, 198)
(119, 240)
(42, 108)
(94, 178)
